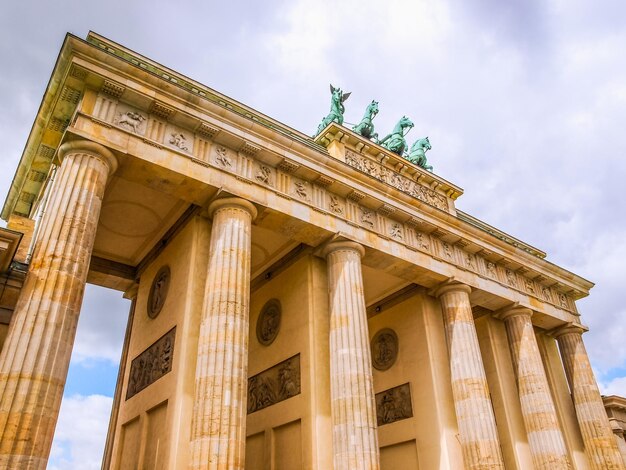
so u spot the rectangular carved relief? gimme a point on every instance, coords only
(274, 385)
(152, 364)
(394, 404)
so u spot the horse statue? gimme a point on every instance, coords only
(395, 141)
(417, 154)
(336, 108)
(366, 126)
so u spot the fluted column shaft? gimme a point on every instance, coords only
(218, 435)
(594, 424)
(36, 355)
(545, 438)
(477, 425)
(355, 439)
(618, 432)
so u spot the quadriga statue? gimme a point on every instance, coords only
(417, 154)
(336, 108)
(395, 142)
(366, 126)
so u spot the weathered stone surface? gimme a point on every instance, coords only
(542, 425)
(355, 442)
(594, 424)
(474, 412)
(35, 359)
(218, 435)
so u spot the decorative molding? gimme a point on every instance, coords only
(71, 95)
(386, 210)
(288, 167)
(324, 181)
(78, 73)
(394, 405)
(274, 385)
(113, 89)
(355, 196)
(46, 152)
(152, 364)
(161, 110)
(413, 235)
(398, 181)
(58, 125)
(207, 130)
(37, 176)
(249, 148)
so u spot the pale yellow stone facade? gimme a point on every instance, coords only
(297, 303)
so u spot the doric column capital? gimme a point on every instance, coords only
(569, 328)
(345, 245)
(513, 311)
(454, 286)
(92, 148)
(236, 202)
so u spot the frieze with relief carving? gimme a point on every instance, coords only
(152, 364)
(274, 385)
(394, 405)
(128, 118)
(400, 182)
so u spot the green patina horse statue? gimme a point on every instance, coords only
(336, 108)
(417, 154)
(366, 126)
(395, 141)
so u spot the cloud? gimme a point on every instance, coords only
(101, 325)
(80, 433)
(616, 386)
(524, 103)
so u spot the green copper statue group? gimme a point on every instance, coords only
(394, 142)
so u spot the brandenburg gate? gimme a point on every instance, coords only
(298, 302)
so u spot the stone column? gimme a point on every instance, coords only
(36, 355)
(218, 434)
(545, 438)
(477, 424)
(594, 424)
(618, 432)
(355, 439)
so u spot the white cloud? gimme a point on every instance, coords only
(80, 433)
(617, 386)
(101, 325)
(524, 103)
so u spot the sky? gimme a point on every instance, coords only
(524, 103)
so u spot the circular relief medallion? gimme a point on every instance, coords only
(384, 348)
(158, 291)
(268, 323)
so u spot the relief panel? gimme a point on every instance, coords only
(274, 385)
(152, 364)
(394, 404)
(130, 119)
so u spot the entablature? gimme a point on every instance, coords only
(400, 210)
